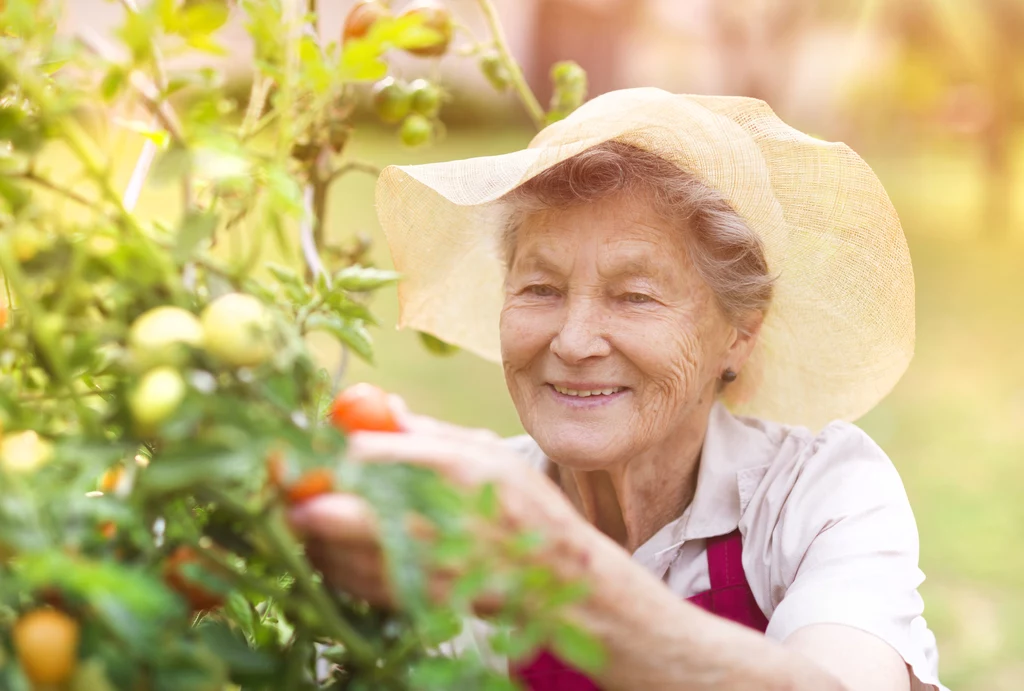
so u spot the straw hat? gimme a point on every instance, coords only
(840, 331)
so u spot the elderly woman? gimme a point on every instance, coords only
(688, 298)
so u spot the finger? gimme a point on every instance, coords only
(359, 573)
(415, 422)
(338, 518)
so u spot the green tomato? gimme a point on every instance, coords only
(158, 336)
(237, 330)
(22, 453)
(156, 397)
(494, 70)
(416, 130)
(426, 98)
(392, 100)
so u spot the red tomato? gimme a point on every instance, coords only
(199, 598)
(47, 645)
(434, 16)
(363, 407)
(363, 16)
(108, 529)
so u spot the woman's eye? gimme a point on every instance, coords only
(541, 290)
(637, 298)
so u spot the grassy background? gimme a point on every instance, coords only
(954, 426)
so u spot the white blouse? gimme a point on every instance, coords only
(828, 533)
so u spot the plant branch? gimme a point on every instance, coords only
(354, 166)
(31, 176)
(516, 77)
(284, 546)
(148, 92)
(310, 228)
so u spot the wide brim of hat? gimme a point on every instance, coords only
(840, 330)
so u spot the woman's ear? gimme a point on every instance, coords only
(745, 335)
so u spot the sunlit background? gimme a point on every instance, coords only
(931, 93)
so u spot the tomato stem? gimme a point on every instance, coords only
(516, 77)
(284, 545)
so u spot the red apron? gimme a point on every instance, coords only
(730, 597)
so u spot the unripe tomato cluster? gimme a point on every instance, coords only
(414, 105)
(235, 330)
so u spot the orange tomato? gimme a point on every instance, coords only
(111, 478)
(3, 316)
(363, 407)
(314, 483)
(198, 597)
(46, 642)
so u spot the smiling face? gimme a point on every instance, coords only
(610, 339)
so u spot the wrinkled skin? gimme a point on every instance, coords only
(598, 296)
(604, 296)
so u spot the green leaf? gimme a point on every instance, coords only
(113, 83)
(171, 165)
(350, 333)
(284, 190)
(361, 278)
(342, 304)
(577, 647)
(487, 501)
(132, 602)
(315, 72)
(195, 228)
(242, 661)
(284, 274)
(207, 44)
(361, 62)
(435, 345)
(14, 195)
(240, 611)
(202, 19)
(137, 34)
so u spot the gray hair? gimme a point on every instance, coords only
(726, 253)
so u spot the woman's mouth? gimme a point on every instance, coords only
(586, 395)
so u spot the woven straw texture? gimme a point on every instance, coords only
(840, 331)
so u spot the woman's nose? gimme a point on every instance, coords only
(581, 335)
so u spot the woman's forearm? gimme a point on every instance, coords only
(656, 640)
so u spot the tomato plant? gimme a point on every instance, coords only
(160, 408)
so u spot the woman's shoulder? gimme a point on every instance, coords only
(794, 453)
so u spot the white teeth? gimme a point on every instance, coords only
(584, 394)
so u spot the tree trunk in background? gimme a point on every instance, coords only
(594, 33)
(997, 151)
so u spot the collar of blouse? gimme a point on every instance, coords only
(736, 455)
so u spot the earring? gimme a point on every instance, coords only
(728, 376)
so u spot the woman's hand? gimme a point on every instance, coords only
(340, 531)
